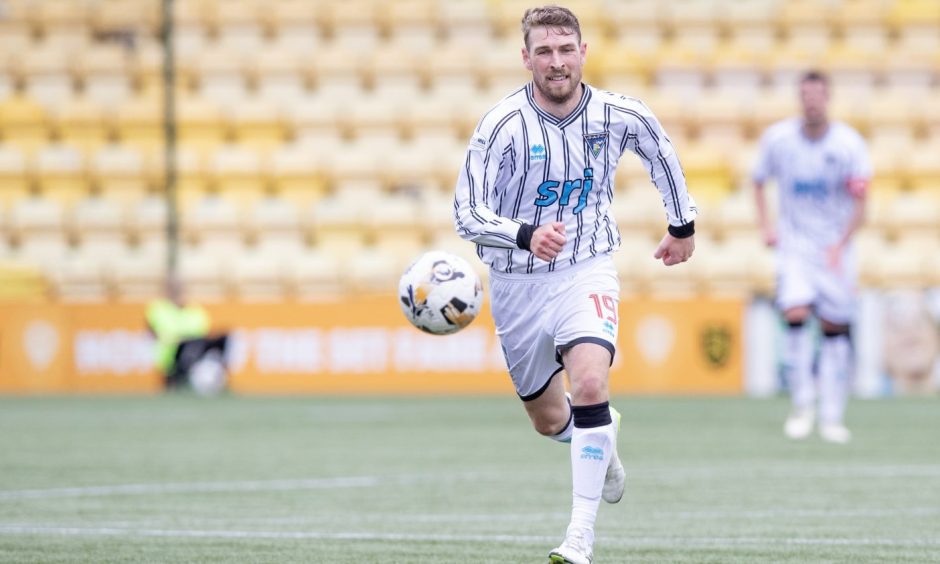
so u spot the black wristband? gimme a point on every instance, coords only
(682, 231)
(524, 236)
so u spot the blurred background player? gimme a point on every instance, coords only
(186, 354)
(822, 171)
(534, 195)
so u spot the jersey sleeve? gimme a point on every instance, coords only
(647, 140)
(474, 219)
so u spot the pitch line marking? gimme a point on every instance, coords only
(24, 529)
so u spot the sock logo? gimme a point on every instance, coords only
(592, 453)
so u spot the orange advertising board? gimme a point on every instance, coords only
(360, 345)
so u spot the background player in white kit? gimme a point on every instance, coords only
(534, 194)
(822, 171)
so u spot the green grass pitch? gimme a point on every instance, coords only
(448, 480)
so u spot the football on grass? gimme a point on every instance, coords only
(440, 293)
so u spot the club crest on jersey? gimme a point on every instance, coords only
(537, 153)
(596, 142)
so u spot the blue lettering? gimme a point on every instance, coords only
(582, 199)
(569, 187)
(547, 194)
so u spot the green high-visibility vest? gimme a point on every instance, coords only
(173, 324)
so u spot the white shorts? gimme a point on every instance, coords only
(538, 316)
(806, 280)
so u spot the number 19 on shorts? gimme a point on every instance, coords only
(606, 308)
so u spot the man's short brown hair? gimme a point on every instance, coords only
(814, 75)
(552, 16)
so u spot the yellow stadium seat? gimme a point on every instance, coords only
(259, 277)
(81, 279)
(15, 176)
(37, 225)
(337, 225)
(275, 226)
(221, 75)
(97, 224)
(140, 277)
(293, 25)
(192, 181)
(61, 173)
(914, 214)
(296, 176)
(139, 124)
(371, 271)
(352, 23)
(278, 75)
(116, 18)
(339, 70)
(923, 167)
(468, 24)
(236, 171)
(214, 222)
(82, 123)
(394, 225)
(238, 25)
(315, 119)
(118, 172)
(708, 173)
(147, 224)
(105, 74)
(411, 24)
(46, 73)
(315, 276)
(450, 72)
(394, 72)
(64, 22)
(204, 275)
(24, 123)
(201, 125)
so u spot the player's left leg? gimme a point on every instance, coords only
(836, 309)
(593, 444)
(835, 368)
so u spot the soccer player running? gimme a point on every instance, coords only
(534, 195)
(822, 171)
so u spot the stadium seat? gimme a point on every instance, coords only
(139, 124)
(97, 224)
(351, 23)
(205, 275)
(395, 226)
(104, 72)
(37, 225)
(24, 123)
(258, 124)
(295, 176)
(293, 25)
(337, 224)
(315, 120)
(275, 226)
(259, 277)
(46, 73)
(371, 271)
(466, 24)
(140, 276)
(118, 172)
(127, 19)
(315, 276)
(147, 224)
(236, 171)
(220, 76)
(449, 72)
(200, 124)
(923, 166)
(411, 24)
(338, 71)
(213, 223)
(238, 25)
(15, 176)
(61, 173)
(278, 75)
(82, 123)
(81, 279)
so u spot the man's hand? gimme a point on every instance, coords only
(548, 240)
(673, 251)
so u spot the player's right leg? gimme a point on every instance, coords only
(799, 357)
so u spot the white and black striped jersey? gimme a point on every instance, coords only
(524, 165)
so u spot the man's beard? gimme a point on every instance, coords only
(555, 98)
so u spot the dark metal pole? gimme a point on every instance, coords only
(169, 138)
